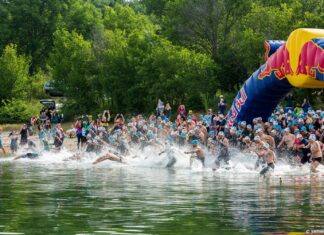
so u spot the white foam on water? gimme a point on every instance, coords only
(240, 163)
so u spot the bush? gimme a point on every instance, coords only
(17, 111)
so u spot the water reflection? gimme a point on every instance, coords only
(38, 199)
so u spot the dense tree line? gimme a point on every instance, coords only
(124, 55)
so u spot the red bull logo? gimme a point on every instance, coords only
(277, 63)
(236, 108)
(311, 59)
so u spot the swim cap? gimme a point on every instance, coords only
(310, 126)
(220, 133)
(257, 138)
(303, 128)
(258, 130)
(150, 133)
(266, 145)
(212, 133)
(183, 135)
(194, 142)
(286, 130)
(296, 131)
(246, 138)
(239, 132)
(299, 136)
(249, 126)
(312, 137)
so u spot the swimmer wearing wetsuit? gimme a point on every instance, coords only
(27, 155)
(223, 144)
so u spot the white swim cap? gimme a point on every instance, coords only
(299, 136)
(312, 137)
(266, 145)
(257, 138)
(258, 130)
(220, 133)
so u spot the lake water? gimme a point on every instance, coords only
(37, 197)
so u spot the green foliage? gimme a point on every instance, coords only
(124, 55)
(17, 110)
(13, 74)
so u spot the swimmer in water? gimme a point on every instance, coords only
(27, 155)
(197, 153)
(223, 144)
(108, 156)
(316, 152)
(269, 157)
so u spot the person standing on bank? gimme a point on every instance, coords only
(222, 105)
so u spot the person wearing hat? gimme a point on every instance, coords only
(316, 152)
(246, 144)
(196, 153)
(257, 147)
(288, 140)
(266, 138)
(269, 157)
(302, 150)
(223, 144)
(222, 105)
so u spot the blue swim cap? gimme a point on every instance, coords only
(310, 126)
(239, 132)
(174, 125)
(159, 126)
(168, 139)
(296, 131)
(194, 142)
(212, 133)
(111, 139)
(295, 122)
(183, 135)
(201, 116)
(303, 128)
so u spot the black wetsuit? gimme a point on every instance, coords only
(304, 152)
(29, 155)
(223, 154)
(267, 168)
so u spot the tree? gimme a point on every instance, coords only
(13, 74)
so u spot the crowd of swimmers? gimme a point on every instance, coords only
(294, 136)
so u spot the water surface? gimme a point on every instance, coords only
(68, 198)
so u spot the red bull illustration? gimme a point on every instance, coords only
(298, 62)
(309, 64)
(277, 63)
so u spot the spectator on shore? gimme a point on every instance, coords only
(222, 105)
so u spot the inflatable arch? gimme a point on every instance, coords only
(298, 62)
